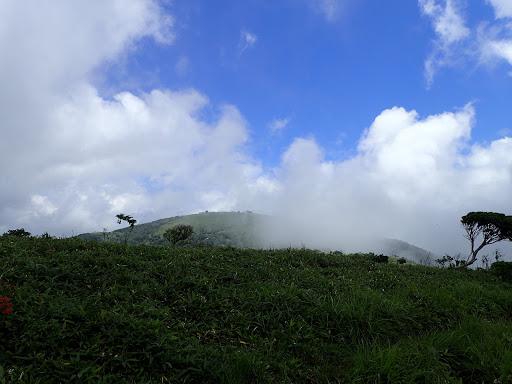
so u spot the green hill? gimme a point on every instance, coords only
(237, 229)
(241, 230)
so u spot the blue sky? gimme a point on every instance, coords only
(325, 76)
(341, 117)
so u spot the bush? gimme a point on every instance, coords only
(503, 270)
(380, 259)
(179, 233)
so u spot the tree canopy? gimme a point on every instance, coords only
(490, 226)
(130, 220)
(17, 233)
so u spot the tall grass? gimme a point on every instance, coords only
(87, 312)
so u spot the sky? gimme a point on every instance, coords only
(341, 117)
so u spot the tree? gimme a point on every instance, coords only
(17, 233)
(180, 232)
(492, 227)
(130, 220)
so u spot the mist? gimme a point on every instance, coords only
(412, 180)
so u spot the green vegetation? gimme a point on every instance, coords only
(94, 312)
(237, 229)
(17, 233)
(130, 220)
(179, 233)
(503, 270)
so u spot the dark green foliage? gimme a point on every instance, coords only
(503, 270)
(402, 260)
(179, 233)
(93, 312)
(451, 262)
(493, 227)
(380, 259)
(17, 233)
(130, 220)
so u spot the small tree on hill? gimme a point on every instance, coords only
(130, 220)
(492, 227)
(178, 233)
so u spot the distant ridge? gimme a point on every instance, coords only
(236, 229)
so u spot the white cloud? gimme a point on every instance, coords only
(447, 21)
(77, 157)
(489, 42)
(413, 179)
(247, 40)
(450, 27)
(277, 125)
(502, 8)
(496, 44)
(42, 205)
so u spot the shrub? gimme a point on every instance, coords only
(380, 259)
(178, 233)
(503, 270)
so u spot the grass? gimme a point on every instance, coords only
(89, 312)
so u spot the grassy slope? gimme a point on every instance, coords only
(237, 229)
(87, 312)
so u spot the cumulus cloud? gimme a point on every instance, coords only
(74, 157)
(412, 179)
(148, 155)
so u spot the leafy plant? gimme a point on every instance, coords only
(179, 233)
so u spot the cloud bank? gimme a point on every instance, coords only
(412, 179)
(74, 158)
